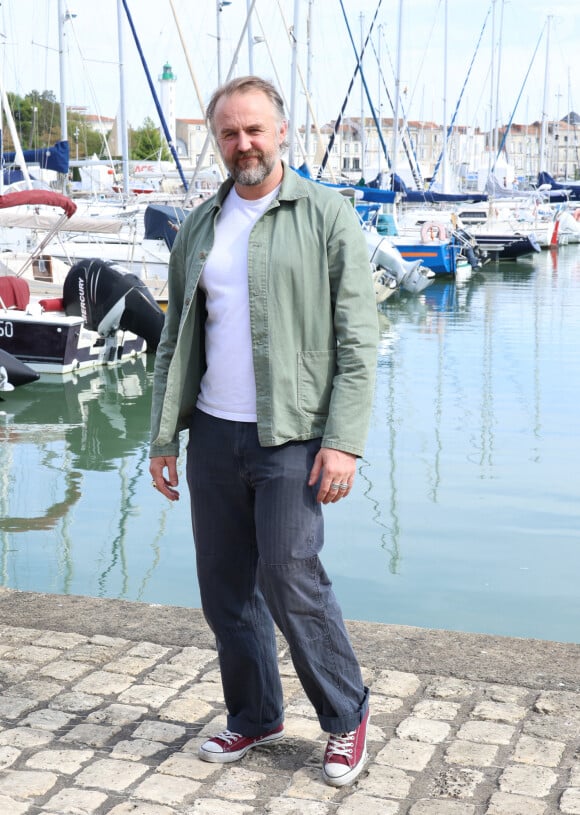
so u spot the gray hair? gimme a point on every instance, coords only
(246, 84)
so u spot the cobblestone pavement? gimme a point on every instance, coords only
(97, 724)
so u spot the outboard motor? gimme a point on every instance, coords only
(109, 298)
(469, 247)
(410, 275)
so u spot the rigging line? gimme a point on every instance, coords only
(170, 142)
(209, 137)
(91, 87)
(302, 82)
(350, 87)
(456, 111)
(507, 130)
(412, 159)
(418, 181)
(218, 157)
(367, 92)
(424, 57)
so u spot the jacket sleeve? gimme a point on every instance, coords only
(356, 331)
(166, 348)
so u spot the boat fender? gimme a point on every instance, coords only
(576, 214)
(431, 230)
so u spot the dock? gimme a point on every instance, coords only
(103, 704)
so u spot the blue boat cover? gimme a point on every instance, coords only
(368, 193)
(572, 189)
(163, 222)
(50, 158)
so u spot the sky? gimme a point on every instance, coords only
(432, 63)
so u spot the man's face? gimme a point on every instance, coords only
(249, 135)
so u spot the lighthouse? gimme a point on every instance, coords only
(167, 82)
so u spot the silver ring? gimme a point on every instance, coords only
(344, 486)
(335, 486)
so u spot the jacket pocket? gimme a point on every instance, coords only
(316, 371)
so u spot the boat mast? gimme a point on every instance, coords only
(542, 163)
(122, 108)
(250, 39)
(379, 100)
(362, 106)
(445, 134)
(308, 78)
(569, 106)
(294, 71)
(198, 92)
(395, 151)
(209, 137)
(498, 84)
(490, 138)
(15, 137)
(62, 16)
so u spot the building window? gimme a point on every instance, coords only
(356, 164)
(346, 164)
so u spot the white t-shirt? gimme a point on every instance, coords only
(228, 387)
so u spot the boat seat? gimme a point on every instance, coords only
(52, 304)
(14, 292)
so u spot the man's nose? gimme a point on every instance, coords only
(244, 142)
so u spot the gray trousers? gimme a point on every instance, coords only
(258, 532)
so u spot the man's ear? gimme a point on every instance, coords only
(283, 132)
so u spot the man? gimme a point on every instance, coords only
(268, 357)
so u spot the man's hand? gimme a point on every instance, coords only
(166, 486)
(336, 470)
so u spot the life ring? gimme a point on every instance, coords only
(431, 230)
(576, 214)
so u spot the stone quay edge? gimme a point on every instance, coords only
(104, 702)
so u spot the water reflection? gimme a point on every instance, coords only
(431, 312)
(99, 413)
(465, 513)
(54, 436)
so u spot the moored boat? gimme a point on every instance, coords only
(103, 317)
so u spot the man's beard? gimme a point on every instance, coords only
(254, 175)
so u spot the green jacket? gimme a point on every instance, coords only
(313, 320)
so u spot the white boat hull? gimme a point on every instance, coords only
(54, 343)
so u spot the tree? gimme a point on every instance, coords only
(37, 120)
(84, 139)
(146, 143)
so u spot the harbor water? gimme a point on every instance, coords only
(466, 509)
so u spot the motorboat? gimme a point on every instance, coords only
(103, 317)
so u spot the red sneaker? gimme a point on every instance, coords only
(228, 746)
(345, 755)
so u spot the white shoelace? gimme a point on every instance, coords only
(340, 745)
(228, 736)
